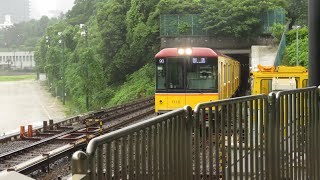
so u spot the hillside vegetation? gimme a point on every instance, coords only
(113, 62)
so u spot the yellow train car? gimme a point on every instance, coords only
(270, 79)
(188, 76)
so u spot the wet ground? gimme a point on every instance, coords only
(24, 103)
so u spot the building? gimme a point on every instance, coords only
(23, 60)
(19, 10)
(7, 22)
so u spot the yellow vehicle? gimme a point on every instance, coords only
(188, 76)
(270, 78)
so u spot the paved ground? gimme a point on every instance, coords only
(26, 102)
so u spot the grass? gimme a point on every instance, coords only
(18, 78)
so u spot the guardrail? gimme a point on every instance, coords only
(155, 148)
(233, 143)
(296, 124)
(251, 137)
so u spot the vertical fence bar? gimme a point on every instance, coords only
(263, 122)
(155, 152)
(228, 119)
(161, 166)
(291, 135)
(299, 136)
(196, 148)
(137, 155)
(256, 138)
(295, 132)
(176, 146)
(131, 155)
(282, 138)
(217, 140)
(116, 159)
(203, 144)
(235, 136)
(189, 142)
(286, 135)
(100, 162)
(210, 120)
(246, 131)
(149, 134)
(302, 124)
(125, 157)
(165, 152)
(240, 141)
(251, 140)
(143, 154)
(308, 140)
(108, 161)
(169, 148)
(223, 119)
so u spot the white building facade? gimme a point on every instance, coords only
(23, 60)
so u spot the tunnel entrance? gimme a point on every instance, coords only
(244, 88)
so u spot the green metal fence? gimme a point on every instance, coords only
(281, 48)
(272, 17)
(181, 24)
(190, 25)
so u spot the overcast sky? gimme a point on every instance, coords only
(48, 7)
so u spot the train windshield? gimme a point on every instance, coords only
(175, 73)
(187, 73)
(202, 74)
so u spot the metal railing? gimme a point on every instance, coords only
(232, 144)
(295, 120)
(157, 148)
(251, 137)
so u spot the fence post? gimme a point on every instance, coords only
(188, 141)
(272, 131)
(79, 163)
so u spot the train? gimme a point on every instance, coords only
(191, 75)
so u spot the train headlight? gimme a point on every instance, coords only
(181, 51)
(188, 51)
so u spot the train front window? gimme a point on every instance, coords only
(175, 73)
(161, 74)
(202, 74)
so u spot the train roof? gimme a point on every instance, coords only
(196, 51)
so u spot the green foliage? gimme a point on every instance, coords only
(237, 18)
(277, 31)
(291, 35)
(302, 47)
(139, 84)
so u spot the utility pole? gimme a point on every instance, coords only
(62, 42)
(314, 43)
(85, 33)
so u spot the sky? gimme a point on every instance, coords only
(49, 7)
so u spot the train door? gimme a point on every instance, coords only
(176, 82)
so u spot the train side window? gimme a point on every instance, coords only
(305, 83)
(161, 74)
(225, 74)
(229, 73)
(265, 86)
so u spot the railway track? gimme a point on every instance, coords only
(56, 141)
